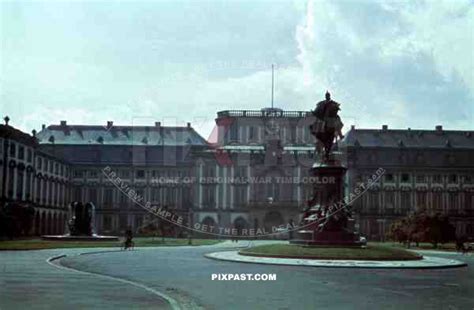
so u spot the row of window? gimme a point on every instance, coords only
(18, 151)
(255, 133)
(47, 192)
(420, 199)
(138, 174)
(422, 178)
(169, 196)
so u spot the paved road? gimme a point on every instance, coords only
(27, 281)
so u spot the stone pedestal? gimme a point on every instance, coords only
(327, 220)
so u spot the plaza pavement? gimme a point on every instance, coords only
(184, 275)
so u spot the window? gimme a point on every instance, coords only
(107, 222)
(123, 221)
(123, 197)
(405, 177)
(240, 194)
(209, 196)
(209, 171)
(273, 191)
(29, 156)
(21, 152)
(453, 201)
(12, 149)
(389, 200)
(437, 178)
(453, 178)
(469, 201)
(108, 196)
(39, 163)
(77, 194)
(78, 173)
(252, 133)
(389, 177)
(93, 195)
(140, 174)
(373, 200)
(140, 195)
(240, 171)
(420, 178)
(421, 200)
(234, 132)
(92, 174)
(125, 174)
(405, 201)
(155, 194)
(467, 179)
(19, 185)
(438, 201)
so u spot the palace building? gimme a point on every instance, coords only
(255, 175)
(430, 169)
(31, 176)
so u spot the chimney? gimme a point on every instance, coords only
(189, 125)
(43, 127)
(353, 127)
(33, 132)
(158, 124)
(439, 128)
(63, 123)
(384, 127)
(109, 124)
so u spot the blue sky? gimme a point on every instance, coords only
(405, 64)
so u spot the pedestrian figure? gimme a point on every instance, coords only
(128, 244)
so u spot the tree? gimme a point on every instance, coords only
(16, 220)
(421, 226)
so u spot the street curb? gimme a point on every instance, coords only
(171, 301)
(426, 263)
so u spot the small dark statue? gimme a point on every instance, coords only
(81, 222)
(327, 126)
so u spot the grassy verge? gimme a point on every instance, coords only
(450, 247)
(371, 252)
(38, 244)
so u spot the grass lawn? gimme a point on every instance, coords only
(38, 244)
(371, 252)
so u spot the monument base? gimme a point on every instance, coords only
(327, 220)
(328, 238)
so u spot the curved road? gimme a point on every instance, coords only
(185, 275)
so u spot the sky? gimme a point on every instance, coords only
(401, 63)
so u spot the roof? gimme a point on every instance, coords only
(120, 135)
(9, 132)
(409, 138)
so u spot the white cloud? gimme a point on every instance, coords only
(405, 64)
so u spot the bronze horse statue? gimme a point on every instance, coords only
(327, 126)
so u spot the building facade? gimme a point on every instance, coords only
(429, 169)
(146, 158)
(251, 177)
(32, 177)
(254, 175)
